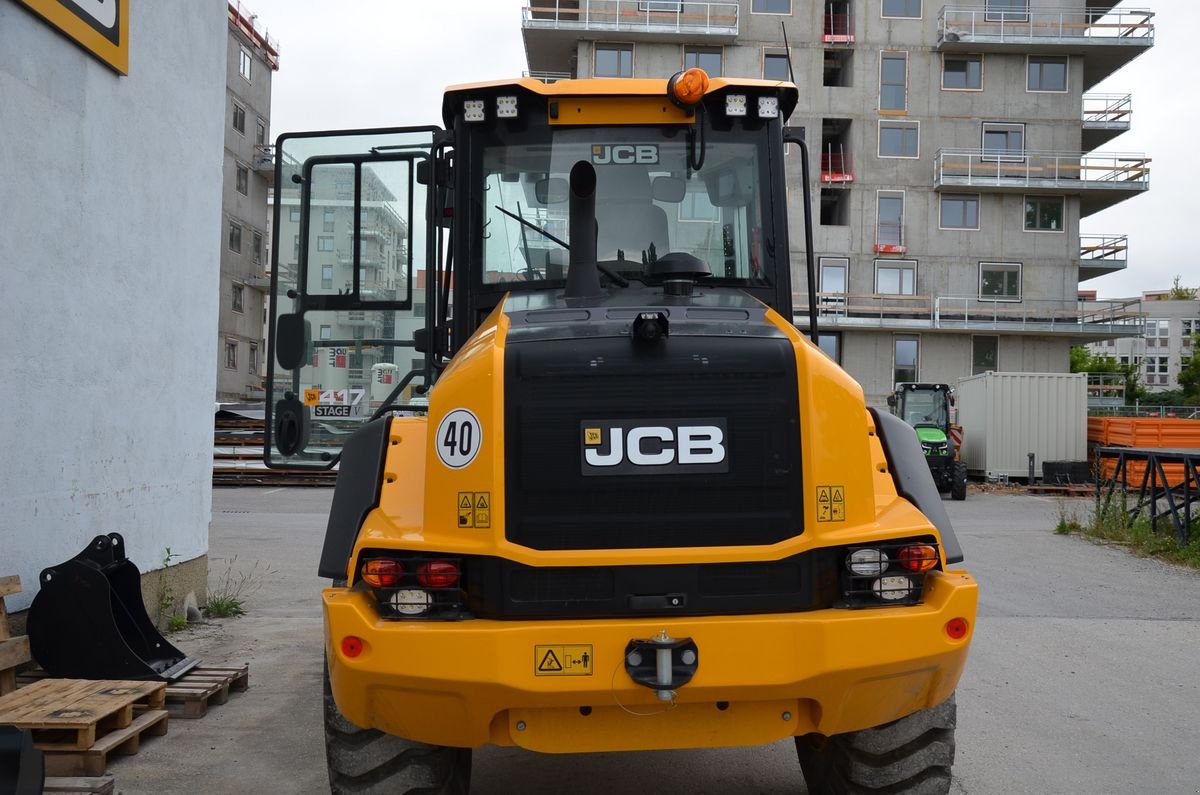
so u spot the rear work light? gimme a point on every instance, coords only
(887, 574)
(407, 586)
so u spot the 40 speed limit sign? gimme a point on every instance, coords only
(459, 437)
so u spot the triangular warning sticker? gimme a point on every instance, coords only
(550, 662)
(482, 501)
(823, 495)
(837, 496)
(464, 501)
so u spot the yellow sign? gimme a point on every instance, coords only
(572, 660)
(312, 397)
(99, 26)
(592, 436)
(831, 504)
(474, 509)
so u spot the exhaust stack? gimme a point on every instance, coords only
(583, 277)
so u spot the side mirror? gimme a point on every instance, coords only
(668, 189)
(553, 190)
(293, 341)
(891, 401)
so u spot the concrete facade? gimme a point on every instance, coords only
(112, 192)
(251, 58)
(1169, 341)
(1009, 286)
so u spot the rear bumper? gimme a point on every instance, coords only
(760, 677)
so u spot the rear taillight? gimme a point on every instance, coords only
(918, 557)
(887, 573)
(437, 574)
(409, 586)
(382, 572)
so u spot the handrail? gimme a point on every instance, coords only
(1103, 248)
(1107, 108)
(1116, 25)
(1013, 167)
(684, 16)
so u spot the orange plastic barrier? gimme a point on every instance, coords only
(1144, 432)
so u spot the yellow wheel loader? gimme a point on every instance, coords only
(595, 490)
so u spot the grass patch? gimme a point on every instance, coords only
(227, 599)
(1114, 526)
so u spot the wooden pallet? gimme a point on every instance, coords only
(77, 723)
(78, 785)
(14, 652)
(191, 695)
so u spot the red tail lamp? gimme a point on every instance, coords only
(382, 573)
(957, 628)
(352, 646)
(438, 574)
(919, 557)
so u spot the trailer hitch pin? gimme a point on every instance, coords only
(663, 659)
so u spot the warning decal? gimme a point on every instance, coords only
(572, 660)
(831, 504)
(474, 509)
(312, 397)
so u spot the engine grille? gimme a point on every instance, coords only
(552, 387)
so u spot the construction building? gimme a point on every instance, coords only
(1167, 342)
(251, 59)
(955, 156)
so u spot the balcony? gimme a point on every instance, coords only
(1081, 322)
(836, 168)
(1100, 180)
(264, 161)
(1100, 255)
(1108, 37)
(549, 77)
(1105, 116)
(553, 28)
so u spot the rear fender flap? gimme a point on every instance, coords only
(356, 493)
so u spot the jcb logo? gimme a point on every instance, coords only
(624, 154)
(655, 447)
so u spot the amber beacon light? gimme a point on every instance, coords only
(687, 88)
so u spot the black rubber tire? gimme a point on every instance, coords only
(368, 761)
(958, 488)
(912, 755)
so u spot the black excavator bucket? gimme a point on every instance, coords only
(88, 621)
(22, 767)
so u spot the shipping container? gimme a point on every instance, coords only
(1007, 416)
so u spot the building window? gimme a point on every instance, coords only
(1003, 142)
(245, 64)
(260, 132)
(239, 294)
(962, 72)
(325, 243)
(256, 250)
(838, 68)
(669, 6)
(1190, 329)
(999, 281)
(983, 354)
(243, 180)
(1047, 73)
(895, 277)
(706, 58)
(1156, 330)
(831, 343)
(905, 358)
(231, 347)
(253, 358)
(1006, 10)
(889, 227)
(239, 118)
(835, 207)
(902, 8)
(329, 216)
(1044, 213)
(294, 214)
(1156, 369)
(326, 277)
(775, 66)
(893, 81)
(613, 60)
(326, 332)
(899, 138)
(235, 237)
(771, 6)
(959, 211)
(833, 275)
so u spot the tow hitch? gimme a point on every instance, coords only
(662, 663)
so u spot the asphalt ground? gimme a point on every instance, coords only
(1084, 674)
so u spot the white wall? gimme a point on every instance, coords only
(110, 189)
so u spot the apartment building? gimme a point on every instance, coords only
(1167, 342)
(957, 158)
(251, 59)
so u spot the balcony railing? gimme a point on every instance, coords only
(1107, 111)
(1070, 171)
(1025, 26)
(1103, 250)
(264, 158)
(631, 16)
(954, 312)
(548, 77)
(889, 237)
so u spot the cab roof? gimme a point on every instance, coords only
(617, 87)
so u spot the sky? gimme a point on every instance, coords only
(381, 63)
